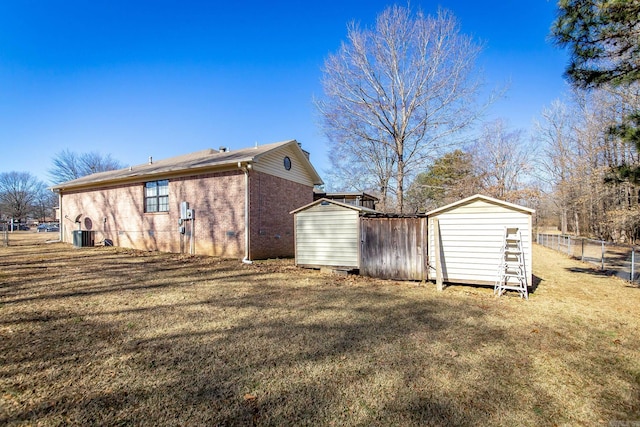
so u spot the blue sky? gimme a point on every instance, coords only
(162, 78)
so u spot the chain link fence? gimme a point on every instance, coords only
(619, 260)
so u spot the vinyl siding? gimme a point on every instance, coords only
(327, 235)
(472, 236)
(273, 163)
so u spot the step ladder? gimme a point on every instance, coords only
(511, 272)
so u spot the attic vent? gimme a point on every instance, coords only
(223, 149)
(150, 160)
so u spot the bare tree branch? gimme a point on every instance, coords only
(18, 193)
(68, 165)
(399, 90)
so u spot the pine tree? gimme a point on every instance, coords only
(604, 40)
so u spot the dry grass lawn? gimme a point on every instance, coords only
(108, 336)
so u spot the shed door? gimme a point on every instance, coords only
(393, 248)
(327, 235)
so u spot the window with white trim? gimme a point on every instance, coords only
(156, 196)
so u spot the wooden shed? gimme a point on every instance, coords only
(466, 239)
(329, 233)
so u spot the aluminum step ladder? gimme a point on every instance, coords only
(511, 271)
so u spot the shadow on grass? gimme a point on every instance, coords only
(591, 271)
(531, 289)
(254, 349)
(313, 355)
(535, 282)
(60, 276)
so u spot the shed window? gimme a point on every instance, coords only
(156, 196)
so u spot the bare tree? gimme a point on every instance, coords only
(370, 169)
(68, 165)
(617, 164)
(394, 95)
(44, 205)
(590, 171)
(559, 162)
(504, 162)
(18, 192)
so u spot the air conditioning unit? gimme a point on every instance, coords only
(83, 238)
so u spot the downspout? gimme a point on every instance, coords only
(245, 168)
(60, 216)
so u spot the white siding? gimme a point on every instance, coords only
(327, 235)
(471, 239)
(273, 164)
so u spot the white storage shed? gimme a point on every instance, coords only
(466, 239)
(327, 233)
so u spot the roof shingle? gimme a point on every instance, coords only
(203, 159)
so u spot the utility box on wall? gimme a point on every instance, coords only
(186, 213)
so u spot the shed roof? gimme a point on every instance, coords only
(197, 161)
(333, 202)
(477, 197)
(345, 194)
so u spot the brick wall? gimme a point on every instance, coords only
(272, 227)
(117, 213)
(218, 201)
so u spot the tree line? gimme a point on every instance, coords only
(402, 107)
(23, 195)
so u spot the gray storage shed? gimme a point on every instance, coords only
(466, 239)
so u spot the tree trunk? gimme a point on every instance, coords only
(400, 177)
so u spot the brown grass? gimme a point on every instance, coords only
(111, 336)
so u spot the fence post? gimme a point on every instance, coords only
(569, 245)
(602, 259)
(633, 262)
(582, 252)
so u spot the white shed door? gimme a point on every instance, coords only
(327, 235)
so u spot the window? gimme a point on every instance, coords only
(156, 196)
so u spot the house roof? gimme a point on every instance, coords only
(333, 202)
(193, 162)
(476, 197)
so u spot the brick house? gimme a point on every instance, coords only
(239, 201)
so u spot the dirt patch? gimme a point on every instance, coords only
(112, 336)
